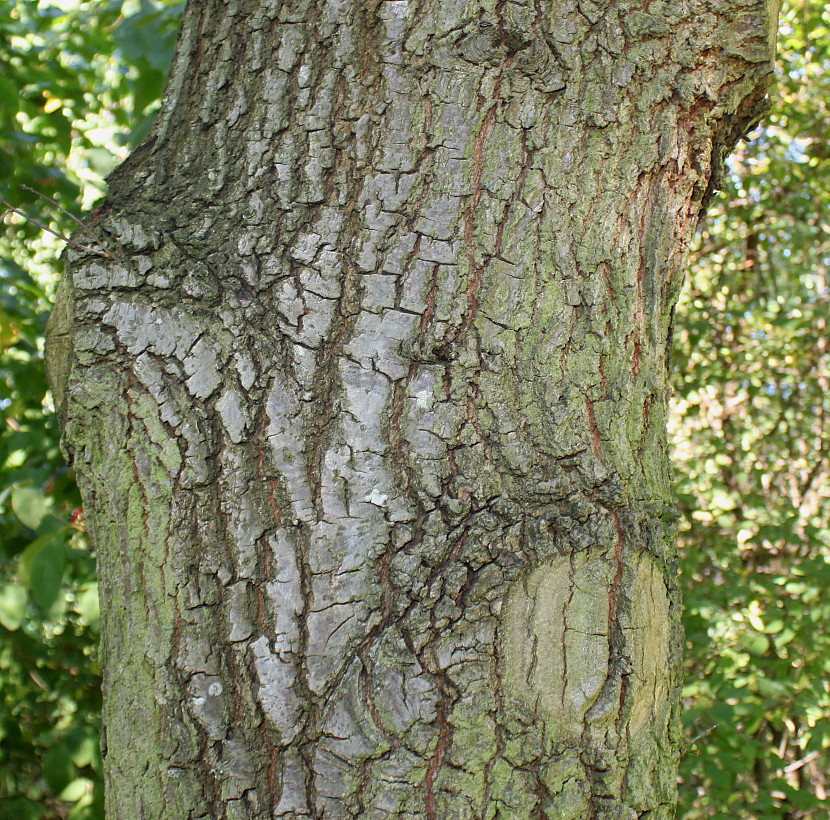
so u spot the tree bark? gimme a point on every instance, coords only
(368, 409)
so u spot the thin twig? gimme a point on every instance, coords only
(38, 680)
(794, 767)
(61, 209)
(694, 740)
(97, 251)
(75, 219)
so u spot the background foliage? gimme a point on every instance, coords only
(751, 458)
(79, 82)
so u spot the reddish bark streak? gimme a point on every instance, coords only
(635, 364)
(469, 222)
(430, 301)
(649, 400)
(435, 763)
(592, 427)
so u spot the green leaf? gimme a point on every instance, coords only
(58, 768)
(771, 688)
(84, 746)
(101, 161)
(9, 99)
(76, 790)
(30, 505)
(41, 567)
(755, 643)
(13, 601)
(88, 605)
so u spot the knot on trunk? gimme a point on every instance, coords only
(492, 45)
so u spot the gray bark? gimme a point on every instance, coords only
(369, 413)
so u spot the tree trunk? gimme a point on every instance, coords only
(368, 405)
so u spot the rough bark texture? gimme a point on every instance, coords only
(369, 418)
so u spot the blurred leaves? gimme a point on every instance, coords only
(78, 78)
(751, 454)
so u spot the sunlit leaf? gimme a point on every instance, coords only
(30, 505)
(87, 603)
(13, 602)
(76, 790)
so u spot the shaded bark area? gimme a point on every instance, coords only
(370, 417)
